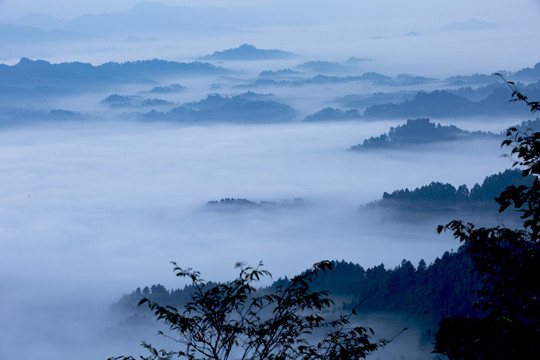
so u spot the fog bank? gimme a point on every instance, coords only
(91, 211)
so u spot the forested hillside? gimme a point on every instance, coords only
(418, 131)
(438, 194)
(427, 292)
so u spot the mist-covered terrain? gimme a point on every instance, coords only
(136, 134)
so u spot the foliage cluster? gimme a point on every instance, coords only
(235, 320)
(430, 292)
(509, 262)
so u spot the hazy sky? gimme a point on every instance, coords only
(325, 30)
(491, 9)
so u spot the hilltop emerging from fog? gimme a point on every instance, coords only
(418, 131)
(200, 92)
(246, 52)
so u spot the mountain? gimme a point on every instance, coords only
(319, 79)
(475, 79)
(436, 103)
(246, 52)
(443, 103)
(244, 108)
(323, 67)
(117, 101)
(153, 18)
(80, 75)
(170, 89)
(366, 100)
(417, 131)
(528, 74)
(333, 114)
(282, 73)
(288, 77)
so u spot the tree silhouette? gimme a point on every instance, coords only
(236, 320)
(507, 324)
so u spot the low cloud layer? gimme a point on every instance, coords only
(89, 212)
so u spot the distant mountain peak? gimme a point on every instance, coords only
(248, 52)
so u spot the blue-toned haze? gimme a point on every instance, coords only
(455, 36)
(120, 120)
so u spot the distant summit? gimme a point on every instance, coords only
(246, 52)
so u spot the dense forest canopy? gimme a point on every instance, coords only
(438, 192)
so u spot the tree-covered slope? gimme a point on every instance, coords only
(417, 131)
(444, 194)
(429, 292)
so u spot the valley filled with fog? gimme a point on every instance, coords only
(92, 211)
(212, 135)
